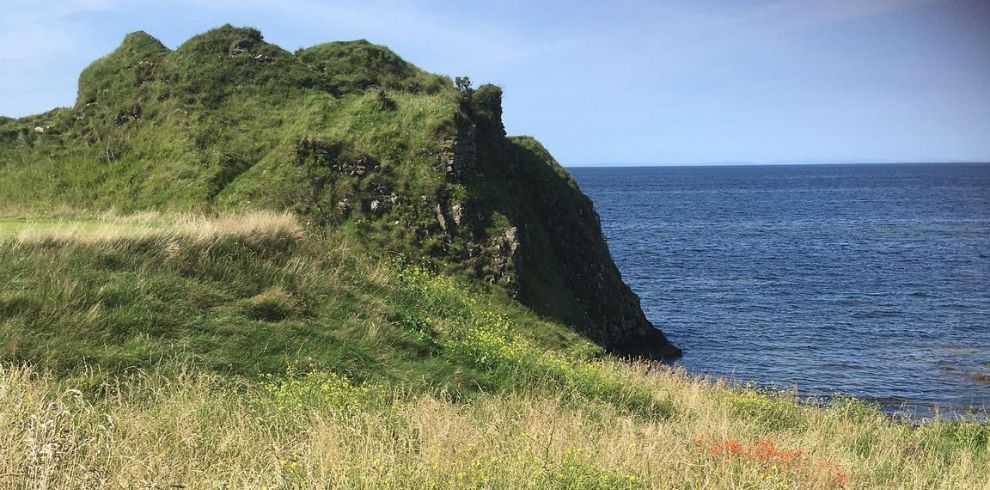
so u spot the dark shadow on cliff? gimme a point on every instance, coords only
(572, 277)
(561, 266)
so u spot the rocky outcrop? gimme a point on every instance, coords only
(460, 153)
(538, 234)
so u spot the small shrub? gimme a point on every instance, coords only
(855, 409)
(774, 411)
(383, 101)
(463, 84)
(314, 389)
(574, 472)
(272, 304)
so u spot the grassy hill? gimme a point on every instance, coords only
(245, 351)
(231, 266)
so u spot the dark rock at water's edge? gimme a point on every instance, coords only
(347, 135)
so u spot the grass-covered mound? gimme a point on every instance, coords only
(348, 136)
(353, 66)
(248, 352)
(248, 295)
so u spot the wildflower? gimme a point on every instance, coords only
(765, 453)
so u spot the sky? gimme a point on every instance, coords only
(609, 83)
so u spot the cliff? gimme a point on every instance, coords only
(348, 136)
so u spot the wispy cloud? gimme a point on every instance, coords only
(665, 38)
(787, 15)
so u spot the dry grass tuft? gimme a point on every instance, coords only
(196, 229)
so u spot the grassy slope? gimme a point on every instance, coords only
(246, 352)
(248, 162)
(250, 296)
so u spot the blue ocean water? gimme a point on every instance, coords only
(866, 280)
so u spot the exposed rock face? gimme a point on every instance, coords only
(441, 218)
(460, 153)
(457, 213)
(549, 252)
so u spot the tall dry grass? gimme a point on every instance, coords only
(110, 227)
(190, 430)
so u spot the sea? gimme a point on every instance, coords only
(864, 280)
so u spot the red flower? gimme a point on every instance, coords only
(764, 452)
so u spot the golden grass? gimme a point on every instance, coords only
(201, 431)
(152, 225)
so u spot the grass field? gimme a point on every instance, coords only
(160, 351)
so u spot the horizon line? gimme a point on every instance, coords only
(775, 164)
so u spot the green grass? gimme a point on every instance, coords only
(127, 293)
(246, 351)
(13, 227)
(215, 124)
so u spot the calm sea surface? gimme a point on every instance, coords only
(868, 280)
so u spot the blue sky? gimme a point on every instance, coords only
(620, 82)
